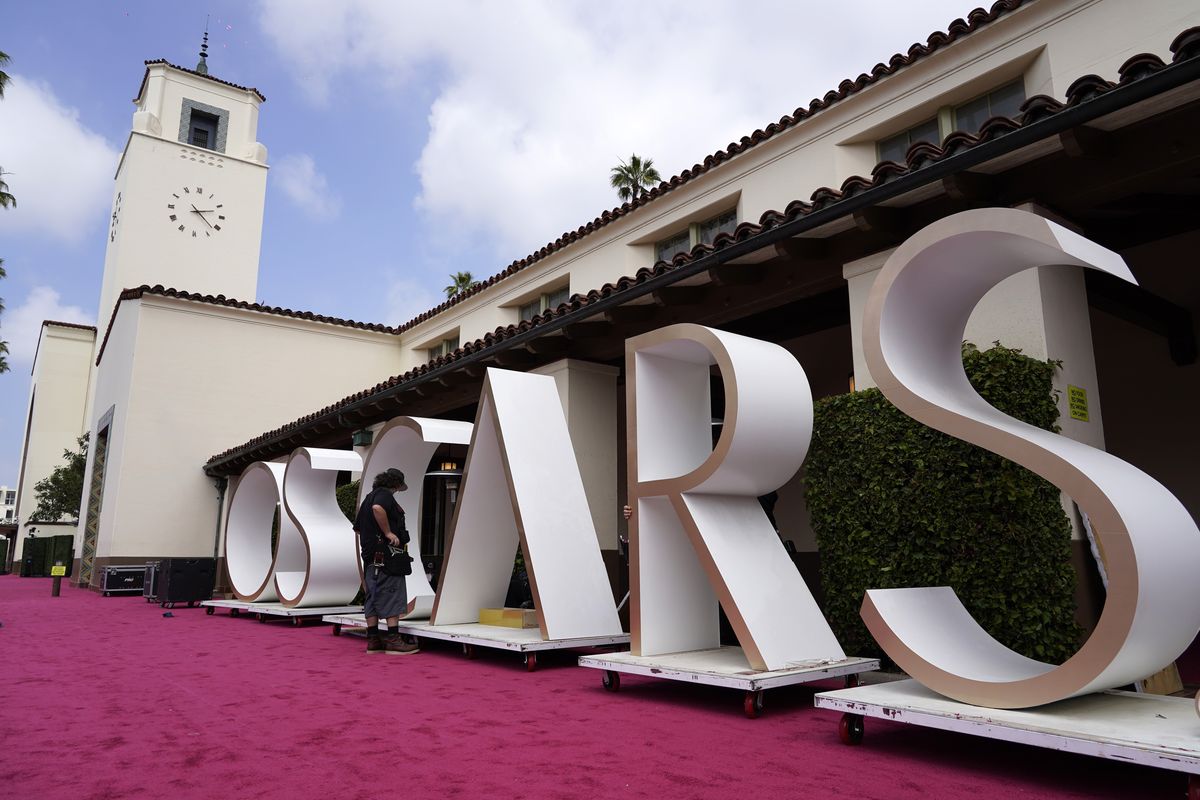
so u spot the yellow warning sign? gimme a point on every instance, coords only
(1077, 401)
(58, 571)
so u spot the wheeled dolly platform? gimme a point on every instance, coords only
(1147, 729)
(268, 611)
(724, 666)
(526, 641)
(343, 620)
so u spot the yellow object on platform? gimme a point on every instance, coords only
(509, 617)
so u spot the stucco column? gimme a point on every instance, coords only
(589, 398)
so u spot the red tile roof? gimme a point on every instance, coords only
(1185, 47)
(229, 302)
(58, 324)
(204, 75)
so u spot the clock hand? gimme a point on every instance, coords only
(201, 213)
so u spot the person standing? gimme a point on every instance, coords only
(379, 523)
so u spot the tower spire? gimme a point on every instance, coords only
(202, 66)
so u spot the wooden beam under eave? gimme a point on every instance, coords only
(1087, 142)
(801, 249)
(631, 314)
(553, 347)
(463, 376)
(589, 329)
(970, 187)
(879, 219)
(675, 296)
(514, 359)
(737, 274)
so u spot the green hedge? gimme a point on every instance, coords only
(897, 504)
(347, 497)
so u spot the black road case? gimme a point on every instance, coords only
(185, 580)
(122, 580)
(150, 581)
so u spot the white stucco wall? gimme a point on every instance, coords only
(150, 249)
(55, 419)
(203, 378)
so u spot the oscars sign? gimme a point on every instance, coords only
(700, 538)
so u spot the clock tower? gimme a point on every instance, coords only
(190, 187)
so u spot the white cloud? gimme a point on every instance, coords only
(534, 101)
(62, 172)
(22, 325)
(406, 298)
(299, 179)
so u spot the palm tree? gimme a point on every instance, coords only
(632, 179)
(3, 75)
(3, 344)
(460, 282)
(6, 199)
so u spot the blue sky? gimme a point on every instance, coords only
(407, 140)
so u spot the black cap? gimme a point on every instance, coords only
(395, 477)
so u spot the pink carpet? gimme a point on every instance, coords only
(106, 698)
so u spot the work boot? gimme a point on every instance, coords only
(394, 645)
(375, 642)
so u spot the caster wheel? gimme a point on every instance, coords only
(337, 630)
(295, 622)
(850, 729)
(262, 618)
(530, 662)
(852, 681)
(611, 680)
(106, 594)
(753, 704)
(469, 650)
(209, 610)
(234, 612)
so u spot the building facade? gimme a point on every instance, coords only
(1076, 109)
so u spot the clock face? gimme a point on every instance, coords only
(195, 213)
(116, 217)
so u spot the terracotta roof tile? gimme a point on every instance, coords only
(229, 302)
(205, 75)
(1034, 109)
(76, 325)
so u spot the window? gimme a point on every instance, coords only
(667, 248)
(544, 302)
(1003, 102)
(444, 348)
(895, 148)
(711, 228)
(202, 125)
(705, 232)
(202, 130)
(10, 498)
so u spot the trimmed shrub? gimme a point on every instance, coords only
(896, 504)
(347, 498)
